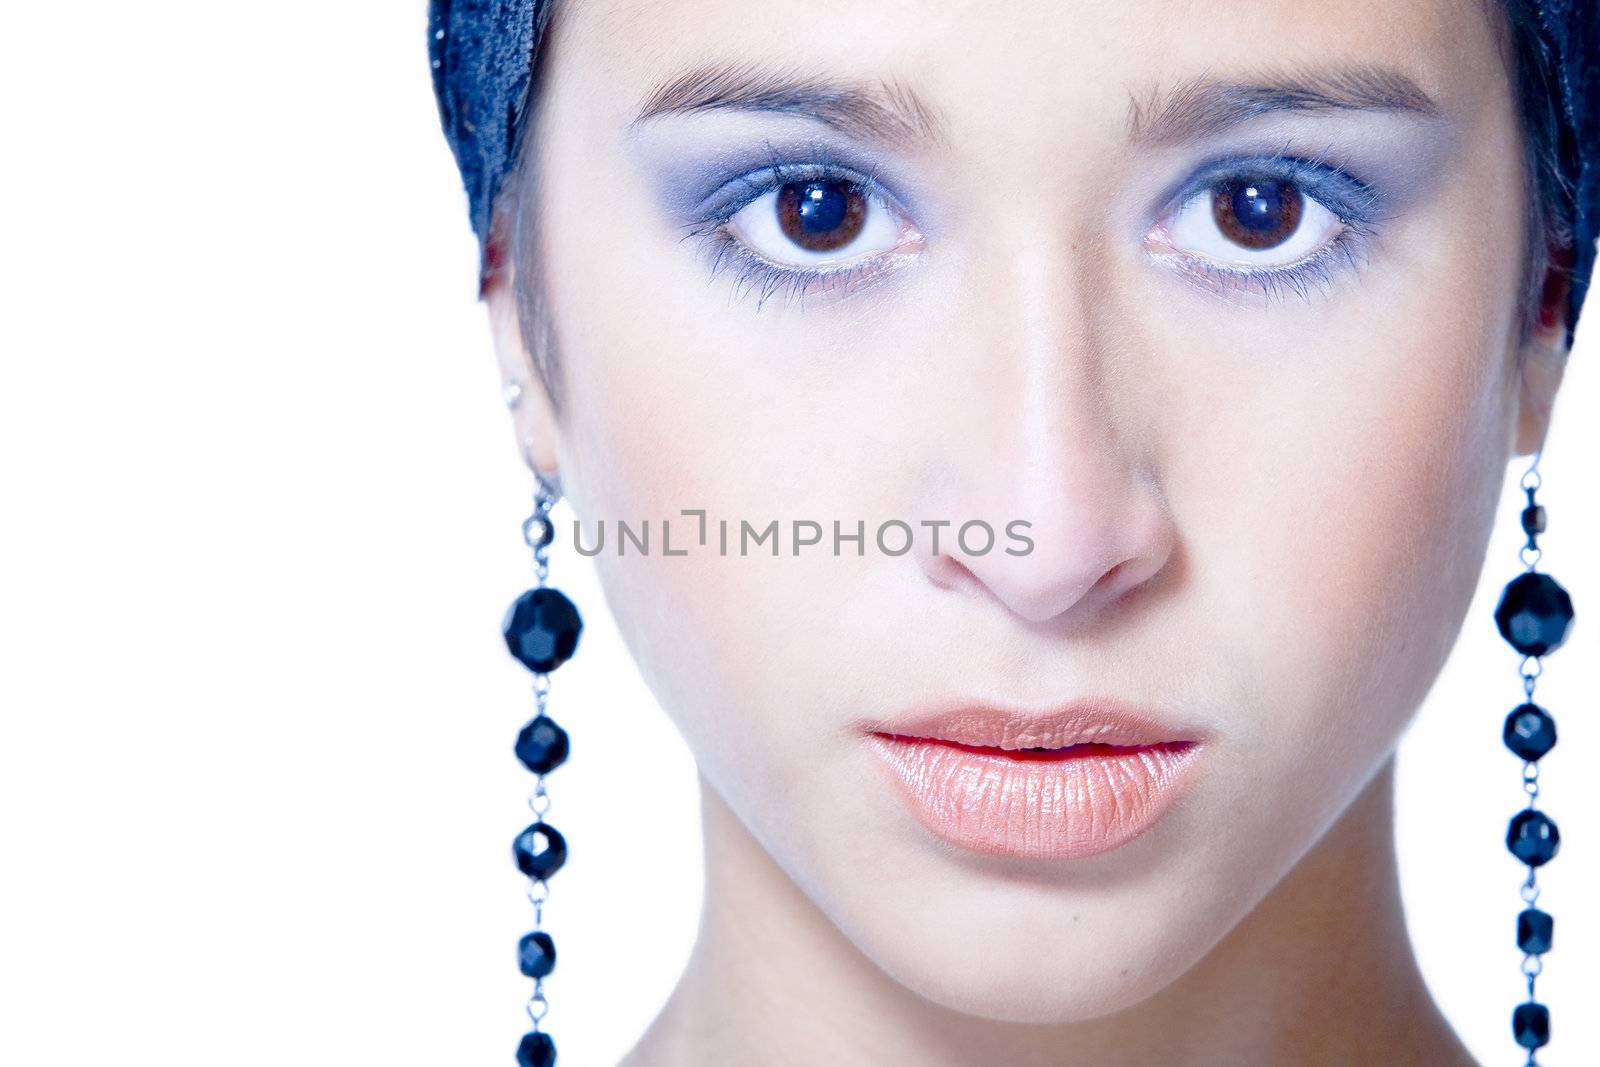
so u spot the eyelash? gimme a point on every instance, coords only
(1350, 200)
(753, 271)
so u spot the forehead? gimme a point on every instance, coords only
(980, 57)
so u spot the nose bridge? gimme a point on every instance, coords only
(1065, 432)
(1045, 439)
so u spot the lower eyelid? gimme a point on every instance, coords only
(1319, 271)
(754, 271)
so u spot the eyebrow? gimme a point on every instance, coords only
(1203, 107)
(884, 110)
(895, 114)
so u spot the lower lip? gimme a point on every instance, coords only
(1065, 804)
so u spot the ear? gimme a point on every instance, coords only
(1544, 356)
(532, 413)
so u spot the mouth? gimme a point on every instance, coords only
(1056, 784)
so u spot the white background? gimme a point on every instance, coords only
(261, 521)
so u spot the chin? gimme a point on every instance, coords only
(1042, 983)
(1033, 951)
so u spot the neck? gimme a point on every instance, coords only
(1321, 971)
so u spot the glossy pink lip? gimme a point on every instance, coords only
(975, 775)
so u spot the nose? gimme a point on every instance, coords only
(1048, 451)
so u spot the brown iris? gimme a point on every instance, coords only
(1256, 212)
(821, 216)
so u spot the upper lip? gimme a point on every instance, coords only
(1089, 720)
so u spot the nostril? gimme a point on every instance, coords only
(948, 572)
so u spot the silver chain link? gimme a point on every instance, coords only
(539, 799)
(538, 1004)
(1530, 889)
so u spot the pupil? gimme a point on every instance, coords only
(1257, 212)
(822, 206)
(1258, 205)
(821, 216)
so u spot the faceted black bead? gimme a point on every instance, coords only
(1536, 930)
(539, 850)
(1534, 613)
(536, 1050)
(1530, 731)
(1533, 519)
(542, 629)
(1533, 838)
(542, 746)
(536, 954)
(1530, 1024)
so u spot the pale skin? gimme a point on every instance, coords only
(1266, 514)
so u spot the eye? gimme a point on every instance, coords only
(1247, 221)
(817, 222)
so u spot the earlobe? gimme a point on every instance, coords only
(1542, 369)
(524, 392)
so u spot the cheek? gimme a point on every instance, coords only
(1383, 516)
(1339, 508)
(672, 409)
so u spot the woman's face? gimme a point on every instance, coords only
(1221, 300)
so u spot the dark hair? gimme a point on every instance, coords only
(1551, 163)
(488, 60)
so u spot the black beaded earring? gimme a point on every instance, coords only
(1534, 615)
(541, 631)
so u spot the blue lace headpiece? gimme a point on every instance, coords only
(483, 52)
